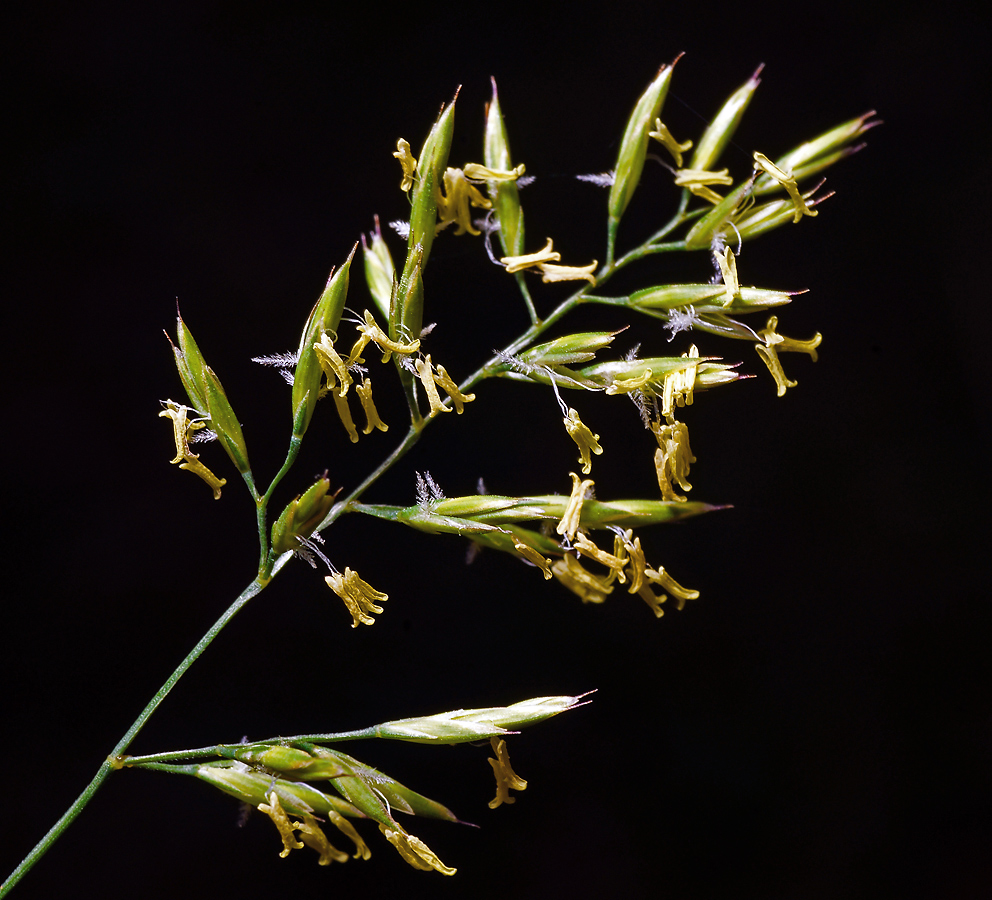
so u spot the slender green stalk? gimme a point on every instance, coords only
(528, 300)
(269, 564)
(646, 250)
(112, 762)
(266, 559)
(412, 436)
(155, 760)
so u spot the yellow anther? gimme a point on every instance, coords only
(348, 830)
(662, 578)
(628, 385)
(677, 386)
(652, 600)
(453, 205)
(587, 442)
(374, 333)
(475, 172)
(181, 429)
(728, 268)
(273, 809)
(519, 263)
(335, 369)
(569, 523)
(459, 399)
(788, 181)
(426, 374)
(194, 465)
(614, 563)
(776, 343)
(344, 413)
(360, 597)
(312, 836)
(181, 426)
(368, 406)
(588, 587)
(689, 177)
(506, 778)
(533, 556)
(673, 458)
(551, 272)
(408, 162)
(664, 136)
(415, 851)
(635, 560)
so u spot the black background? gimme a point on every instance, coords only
(816, 725)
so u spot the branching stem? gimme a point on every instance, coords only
(113, 762)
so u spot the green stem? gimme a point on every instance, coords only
(156, 760)
(611, 241)
(112, 762)
(172, 770)
(412, 436)
(528, 300)
(265, 558)
(646, 250)
(269, 565)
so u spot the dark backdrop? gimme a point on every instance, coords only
(816, 725)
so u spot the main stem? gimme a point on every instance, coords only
(112, 762)
(269, 568)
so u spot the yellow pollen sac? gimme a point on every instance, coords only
(285, 827)
(673, 458)
(506, 778)
(698, 181)
(408, 162)
(728, 268)
(335, 368)
(453, 206)
(355, 356)
(379, 337)
(359, 597)
(705, 193)
(652, 600)
(689, 177)
(532, 556)
(519, 263)
(475, 172)
(664, 137)
(587, 442)
(551, 273)
(459, 399)
(775, 343)
(348, 830)
(368, 406)
(783, 344)
(661, 577)
(770, 358)
(415, 851)
(620, 552)
(312, 836)
(613, 563)
(628, 385)
(181, 429)
(194, 465)
(569, 523)
(344, 412)
(689, 376)
(588, 587)
(426, 375)
(635, 562)
(677, 386)
(788, 181)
